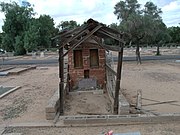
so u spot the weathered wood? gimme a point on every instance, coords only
(111, 35)
(83, 39)
(111, 70)
(61, 83)
(165, 102)
(74, 36)
(159, 101)
(118, 78)
(100, 44)
(139, 99)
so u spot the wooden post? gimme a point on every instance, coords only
(61, 81)
(118, 78)
(139, 100)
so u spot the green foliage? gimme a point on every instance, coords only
(152, 10)
(68, 25)
(174, 32)
(22, 32)
(124, 9)
(46, 30)
(142, 25)
(31, 37)
(19, 46)
(15, 23)
(1, 37)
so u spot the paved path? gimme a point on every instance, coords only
(54, 60)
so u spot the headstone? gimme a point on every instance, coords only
(34, 55)
(87, 83)
(3, 73)
(42, 54)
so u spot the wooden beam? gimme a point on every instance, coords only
(107, 47)
(75, 36)
(112, 48)
(111, 35)
(118, 79)
(61, 83)
(83, 39)
(165, 102)
(100, 44)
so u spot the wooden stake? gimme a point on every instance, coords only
(118, 78)
(139, 99)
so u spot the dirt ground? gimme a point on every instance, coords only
(87, 103)
(158, 80)
(28, 103)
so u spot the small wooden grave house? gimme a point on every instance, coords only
(86, 50)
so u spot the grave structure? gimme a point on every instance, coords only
(87, 67)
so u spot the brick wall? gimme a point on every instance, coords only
(98, 73)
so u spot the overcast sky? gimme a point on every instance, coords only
(100, 10)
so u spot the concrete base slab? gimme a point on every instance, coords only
(13, 134)
(124, 106)
(96, 92)
(118, 119)
(2, 130)
(32, 124)
(132, 133)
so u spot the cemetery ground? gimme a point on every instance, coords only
(158, 80)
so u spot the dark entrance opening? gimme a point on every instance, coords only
(86, 73)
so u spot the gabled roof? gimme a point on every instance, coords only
(70, 39)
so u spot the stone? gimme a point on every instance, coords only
(42, 54)
(87, 83)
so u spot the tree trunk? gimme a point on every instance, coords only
(138, 57)
(158, 51)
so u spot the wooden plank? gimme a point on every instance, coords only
(61, 83)
(111, 70)
(165, 102)
(159, 101)
(84, 29)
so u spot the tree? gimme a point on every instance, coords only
(139, 24)
(124, 9)
(46, 30)
(174, 32)
(161, 36)
(152, 10)
(158, 33)
(1, 36)
(32, 36)
(15, 23)
(68, 25)
(129, 14)
(22, 32)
